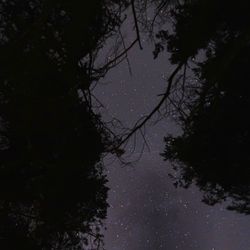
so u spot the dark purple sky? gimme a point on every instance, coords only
(146, 211)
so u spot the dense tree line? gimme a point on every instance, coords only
(211, 40)
(53, 192)
(53, 188)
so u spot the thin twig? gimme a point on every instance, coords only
(136, 23)
(126, 54)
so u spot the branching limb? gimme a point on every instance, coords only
(104, 69)
(138, 126)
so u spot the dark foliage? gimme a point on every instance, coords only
(213, 150)
(52, 187)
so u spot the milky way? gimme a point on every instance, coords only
(146, 210)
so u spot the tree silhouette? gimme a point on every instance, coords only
(212, 38)
(53, 193)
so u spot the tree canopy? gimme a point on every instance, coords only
(53, 192)
(211, 38)
(52, 184)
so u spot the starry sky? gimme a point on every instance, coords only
(146, 211)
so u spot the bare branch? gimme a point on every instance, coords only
(113, 62)
(136, 23)
(126, 54)
(155, 110)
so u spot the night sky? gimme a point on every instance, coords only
(53, 193)
(146, 211)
